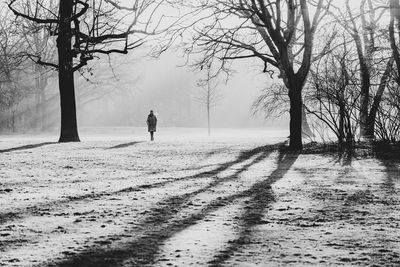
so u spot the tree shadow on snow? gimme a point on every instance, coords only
(261, 197)
(345, 158)
(156, 217)
(216, 151)
(125, 145)
(261, 152)
(31, 146)
(389, 157)
(143, 242)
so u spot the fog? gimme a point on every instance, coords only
(123, 89)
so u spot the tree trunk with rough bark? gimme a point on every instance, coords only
(395, 21)
(305, 126)
(365, 77)
(364, 103)
(378, 97)
(341, 123)
(69, 128)
(296, 107)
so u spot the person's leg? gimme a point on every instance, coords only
(152, 136)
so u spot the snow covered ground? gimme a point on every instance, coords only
(236, 198)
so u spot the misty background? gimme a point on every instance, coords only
(121, 90)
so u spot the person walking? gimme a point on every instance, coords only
(151, 124)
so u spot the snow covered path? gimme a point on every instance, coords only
(195, 201)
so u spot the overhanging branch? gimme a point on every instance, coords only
(34, 19)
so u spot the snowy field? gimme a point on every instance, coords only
(234, 199)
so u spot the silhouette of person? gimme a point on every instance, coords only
(151, 124)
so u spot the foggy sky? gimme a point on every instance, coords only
(142, 83)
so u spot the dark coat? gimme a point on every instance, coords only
(151, 123)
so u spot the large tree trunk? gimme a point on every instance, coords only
(69, 129)
(305, 127)
(364, 102)
(378, 97)
(296, 106)
(395, 21)
(364, 41)
(341, 123)
(364, 95)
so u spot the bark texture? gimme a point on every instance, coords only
(69, 127)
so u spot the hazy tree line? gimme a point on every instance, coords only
(339, 64)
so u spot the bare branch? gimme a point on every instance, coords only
(34, 19)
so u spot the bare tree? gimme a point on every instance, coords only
(279, 33)
(333, 94)
(272, 101)
(394, 27)
(84, 29)
(388, 114)
(10, 44)
(363, 27)
(38, 41)
(209, 95)
(10, 64)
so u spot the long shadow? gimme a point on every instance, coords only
(26, 147)
(125, 145)
(161, 224)
(389, 156)
(215, 152)
(345, 158)
(182, 199)
(244, 155)
(353, 208)
(387, 251)
(261, 197)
